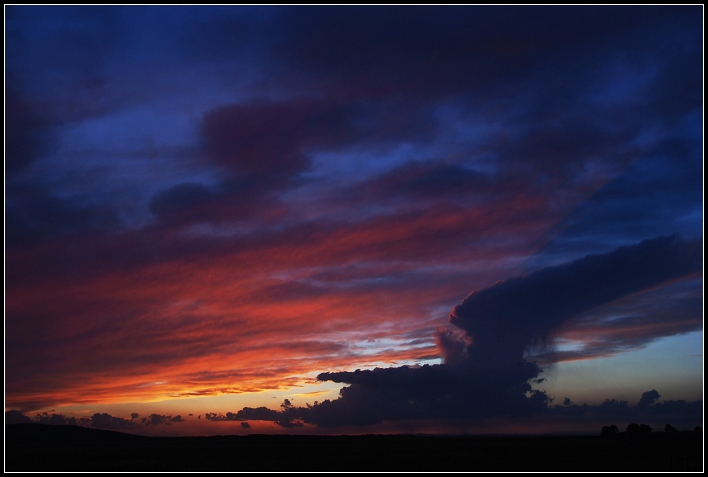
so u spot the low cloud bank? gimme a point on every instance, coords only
(97, 421)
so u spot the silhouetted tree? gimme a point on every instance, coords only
(644, 429)
(609, 431)
(669, 428)
(635, 429)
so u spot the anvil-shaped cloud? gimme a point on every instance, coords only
(485, 372)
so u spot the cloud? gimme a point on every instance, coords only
(166, 274)
(97, 421)
(177, 175)
(486, 372)
(106, 421)
(161, 419)
(287, 417)
(348, 411)
(507, 318)
(632, 322)
(36, 216)
(50, 418)
(266, 139)
(426, 181)
(687, 414)
(179, 199)
(648, 398)
(289, 424)
(452, 345)
(635, 204)
(429, 391)
(53, 419)
(27, 132)
(247, 413)
(260, 148)
(16, 417)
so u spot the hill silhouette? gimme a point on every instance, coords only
(37, 447)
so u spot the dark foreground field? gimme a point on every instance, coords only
(37, 447)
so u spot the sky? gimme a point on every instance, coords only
(229, 219)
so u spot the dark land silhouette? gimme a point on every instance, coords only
(38, 447)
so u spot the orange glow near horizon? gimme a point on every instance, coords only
(245, 321)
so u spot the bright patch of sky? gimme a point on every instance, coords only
(672, 365)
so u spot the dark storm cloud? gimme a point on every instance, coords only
(437, 391)
(348, 410)
(505, 319)
(485, 371)
(452, 345)
(632, 322)
(245, 425)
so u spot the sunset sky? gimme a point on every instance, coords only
(214, 216)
